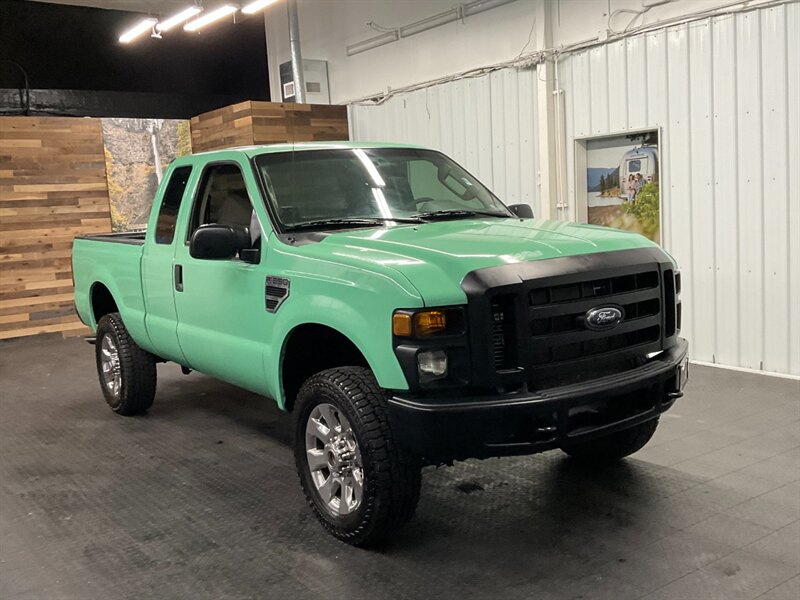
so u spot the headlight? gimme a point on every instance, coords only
(431, 346)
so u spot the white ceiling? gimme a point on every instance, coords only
(155, 7)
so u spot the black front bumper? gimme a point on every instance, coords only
(441, 430)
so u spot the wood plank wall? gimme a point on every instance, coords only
(253, 122)
(52, 187)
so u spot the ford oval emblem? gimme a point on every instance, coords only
(603, 317)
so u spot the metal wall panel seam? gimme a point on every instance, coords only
(776, 274)
(793, 131)
(690, 189)
(750, 158)
(701, 77)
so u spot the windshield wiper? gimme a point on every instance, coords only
(349, 222)
(438, 214)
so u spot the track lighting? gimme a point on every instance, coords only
(179, 18)
(208, 18)
(137, 30)
(256, 6)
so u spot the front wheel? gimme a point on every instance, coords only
(127, 372)
(611, 448)
(357, 481)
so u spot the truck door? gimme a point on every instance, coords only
(158, 269)
(222, 321)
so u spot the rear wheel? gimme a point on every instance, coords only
(611, 448)
(127, 372)
(358, 482)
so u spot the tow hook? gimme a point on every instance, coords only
(681, 378)
(545, 434)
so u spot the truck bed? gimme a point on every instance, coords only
(111, 261)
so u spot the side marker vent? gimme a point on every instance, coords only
(275, 293)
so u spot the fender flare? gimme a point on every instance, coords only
(344, 320)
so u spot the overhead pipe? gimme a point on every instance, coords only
(296, 55)
(457, 13)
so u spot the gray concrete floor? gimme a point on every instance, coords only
(199, 499)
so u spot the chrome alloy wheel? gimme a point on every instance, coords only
(109, 362)
(334, 460)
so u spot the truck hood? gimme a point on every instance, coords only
(436, 256)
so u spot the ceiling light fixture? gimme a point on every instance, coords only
(207, 19)
(256, 6)
(179, 18)
(137, 30)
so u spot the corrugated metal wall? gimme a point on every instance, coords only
(487, 124)
(726, 94)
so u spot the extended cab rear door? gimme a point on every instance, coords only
(223, 326)
(158, 260)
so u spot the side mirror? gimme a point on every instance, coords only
(218, 242)
(523, 211)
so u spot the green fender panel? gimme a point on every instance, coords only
(372, 337)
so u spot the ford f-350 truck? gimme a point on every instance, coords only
(396, 307)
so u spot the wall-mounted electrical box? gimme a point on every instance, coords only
(315, 73)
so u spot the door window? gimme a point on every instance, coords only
(222, 199)
(170, 205)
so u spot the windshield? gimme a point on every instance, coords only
(368, 186)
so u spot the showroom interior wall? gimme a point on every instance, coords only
(488, 124)
(719, 90)
(53, 187)
(492, 36)
(327, 28)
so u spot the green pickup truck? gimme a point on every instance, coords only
(400, 311)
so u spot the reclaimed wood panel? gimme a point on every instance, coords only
(52, 188)
(253, 123)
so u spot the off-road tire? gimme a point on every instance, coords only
(611, 448)
(392, 477)
(137, 369)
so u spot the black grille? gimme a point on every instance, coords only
(528, 321)
(557, 329)
(594, 288)
(503, 327)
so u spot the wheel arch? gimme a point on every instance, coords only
(298, 364)
(101, 301)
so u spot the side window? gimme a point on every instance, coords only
(222, 198)
(170, 204)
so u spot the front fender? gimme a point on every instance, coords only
(371, 334)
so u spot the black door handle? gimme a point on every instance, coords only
(179, 278)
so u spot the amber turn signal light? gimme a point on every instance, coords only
(401, 324)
